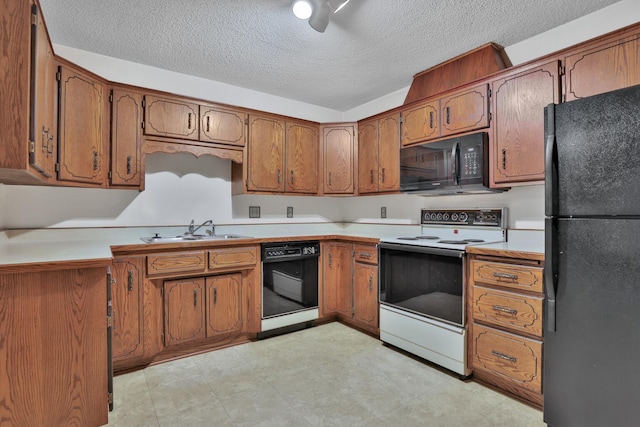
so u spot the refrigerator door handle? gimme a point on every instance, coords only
(550, 167)
(550, 274)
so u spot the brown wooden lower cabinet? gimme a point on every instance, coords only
(53, 348)
(127, 291)
(184, 308)
(224, 304)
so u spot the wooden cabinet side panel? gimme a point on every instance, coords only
(128, 329)
(224, 304)
(603, 68)
(153, 319)
(53, 372)
(389, 153)
(265, 155)
(338, 153)
(81, 152)
(301, 162)
(252, 300)
(184, 310)
(518, 122)
(170, 117)
(223, 126)
(368, 157)
(126, 138)
(465, 111)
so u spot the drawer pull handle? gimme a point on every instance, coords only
(503, 356)
(505, 275)
(505, 309)
(365, 255)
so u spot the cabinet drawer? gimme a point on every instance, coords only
(366, 253)
(510, 357)
(508, 275)
(233, 258)
(176, 262)
(514, 311)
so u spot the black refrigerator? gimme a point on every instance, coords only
(591, 355)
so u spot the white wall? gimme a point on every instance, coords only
(180, 187)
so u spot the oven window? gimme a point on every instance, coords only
(426, 284)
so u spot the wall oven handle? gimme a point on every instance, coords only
(422, 249)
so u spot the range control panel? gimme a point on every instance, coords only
(465, 217)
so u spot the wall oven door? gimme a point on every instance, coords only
(422, 280)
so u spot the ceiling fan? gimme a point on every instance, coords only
(317, 11)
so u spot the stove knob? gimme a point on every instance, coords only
(445, 217)
(433, 216)
(463, 217)
(426, 216)
(439, 217)
(454, 216)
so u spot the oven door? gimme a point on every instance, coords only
(426, 281)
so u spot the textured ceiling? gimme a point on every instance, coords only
(370, 48)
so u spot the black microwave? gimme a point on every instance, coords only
(451, 166)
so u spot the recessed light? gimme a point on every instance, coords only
(302, 9)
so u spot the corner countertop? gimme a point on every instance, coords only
(528, 244)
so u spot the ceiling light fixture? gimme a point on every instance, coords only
(317, 11)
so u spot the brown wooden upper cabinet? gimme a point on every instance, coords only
(171, 117)
(602, 67)
(81, 128)
(126, 138)
(421, 122)
(379, 154)
(265, 154)
(465, 110)
(224, 126)
(337, 150)
(301, 158)
(518, 104)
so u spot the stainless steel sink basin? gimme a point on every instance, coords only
(191, 238)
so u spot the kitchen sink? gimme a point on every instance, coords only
(191, 237)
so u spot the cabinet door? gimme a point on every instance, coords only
(338, 159)
(224, 304)
(465, 111)
(421, 122)
(174, 118)
(302, 158)
(365, 294)
(80, 128)
(389, 153)
(265, 168)
(337, 261)
(184, 306)
(42, 126)
(603, 68)
(126, 138)
(518, 122)
(368, 157)
(127, 307)
(222, 126)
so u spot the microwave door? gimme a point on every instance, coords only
(427, 167)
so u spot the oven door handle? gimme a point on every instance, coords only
(422, 249)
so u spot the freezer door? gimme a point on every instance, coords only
(597, 162)
(591, 369)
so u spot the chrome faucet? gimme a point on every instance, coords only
(193, 228)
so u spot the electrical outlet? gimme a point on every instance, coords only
(383, 212)
(254, 211)
(289, 211)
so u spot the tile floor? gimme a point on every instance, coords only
(329, 375)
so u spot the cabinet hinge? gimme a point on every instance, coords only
(246, 121)
(110, 398)
(109, 321)
(564, 97)
(490, 116)
(144, 103)
(142, 125)
(400, 118)
(32, 146)
(110, 174)
(161, 291)
(162, 337)
(34, 16)
(111, 97)
(57, 167)
(58, 76)
(561, 70)
(490, 92)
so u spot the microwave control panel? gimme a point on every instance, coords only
(471, 162)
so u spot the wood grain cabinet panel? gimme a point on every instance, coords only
(518, 122)
(603, 68)
(184, 310)
(389, 153)
(127, 315)
(508, 275)
(366, 253)
(233, 258)
(337, 267)
(368, 157)
(518, 312)
(365, 294)
(81, 124)
(224, 304)
(176, 262)
(421, 122)
(301, 158)
(465, 111)
(513, 358)
(265, 154)
(338, 154)
(223, 126)
(126, 138)
(171, 117)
